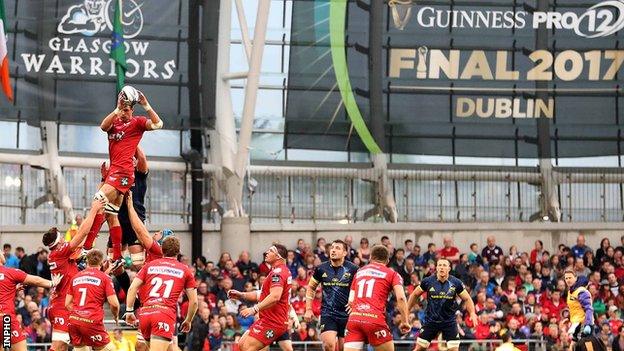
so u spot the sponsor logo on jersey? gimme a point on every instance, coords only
(347, 275)
(124, 181)
(277, 270)
(1, 276)
(269, 333)
(276, 279)
(371, 272)
(173, 272)
(87, 280)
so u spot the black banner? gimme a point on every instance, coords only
(461, 79)
(60, 65)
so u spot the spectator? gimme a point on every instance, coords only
(300, 251)
(215, 338)
(11, 260)
(200, 330)
(555, 305)
(485, 284)
(409, 246)
(419, 260)
(363, 252)
(407, 270)
(245, 265)
(120, 342)
(20, 253)
(352, 253)
(232, 327)
(430, 255)
(618, 342)
(536, 253)
(449, 251)
(385, 241)
(238, 280)
(507, 345)
(292, 263)
(301, 334)
(398, 261)
(605, 334)
(580, 248)
(473, 256)
(319, 250)
(580, 269)
(492, 254)
(302, 277)
(499, 275)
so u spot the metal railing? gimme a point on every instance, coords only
(300, 195)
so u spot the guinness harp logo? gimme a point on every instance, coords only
(401, 12)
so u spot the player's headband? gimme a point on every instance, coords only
(275, 251)
(56, 241)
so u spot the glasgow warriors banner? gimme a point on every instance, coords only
(60, 58)
(464, 79)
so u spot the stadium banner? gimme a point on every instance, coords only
(59, 57)
(466, 78)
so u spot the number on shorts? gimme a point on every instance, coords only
(163, 326)
(96, 337)
(59, 320)
(369, 288)
(381, 334)
(83, 296)
(157, 284)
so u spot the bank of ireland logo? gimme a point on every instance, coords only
(94, 16)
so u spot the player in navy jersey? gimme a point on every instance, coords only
(442, 289)
(335, 276)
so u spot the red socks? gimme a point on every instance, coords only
(115, 234)
(95, 229)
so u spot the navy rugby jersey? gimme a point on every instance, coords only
(441, 299)
(336, 283)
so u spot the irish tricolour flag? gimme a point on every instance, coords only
(4, 57)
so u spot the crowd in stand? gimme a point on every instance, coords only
(521, 292)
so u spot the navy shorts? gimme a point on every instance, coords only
(431, 331)
(283, 337)
(329, 323)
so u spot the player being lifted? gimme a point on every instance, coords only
(61, 262)
(129, 237)
(273, 303)
(335, 276)
(442, 290)
(10, 279)
(579, 302)
(124, 134)
(166, 279)
(85, 300)
(367, 304)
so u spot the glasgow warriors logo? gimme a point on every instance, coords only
(94, 16)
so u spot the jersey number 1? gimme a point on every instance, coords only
(157, 284)
(369, 288)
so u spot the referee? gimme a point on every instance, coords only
(335, 276)
(579, 302)
(441, 289)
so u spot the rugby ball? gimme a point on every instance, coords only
(129, 94)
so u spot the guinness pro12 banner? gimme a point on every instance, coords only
(464, 79)
(60, 64)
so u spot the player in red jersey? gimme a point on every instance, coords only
(167, 279)
(85, 300)
(153, 249)
(61, 262)
(124, 134)
(10, 278)
(273, 303)
(367, 304)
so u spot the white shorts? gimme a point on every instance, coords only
(60, 336)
